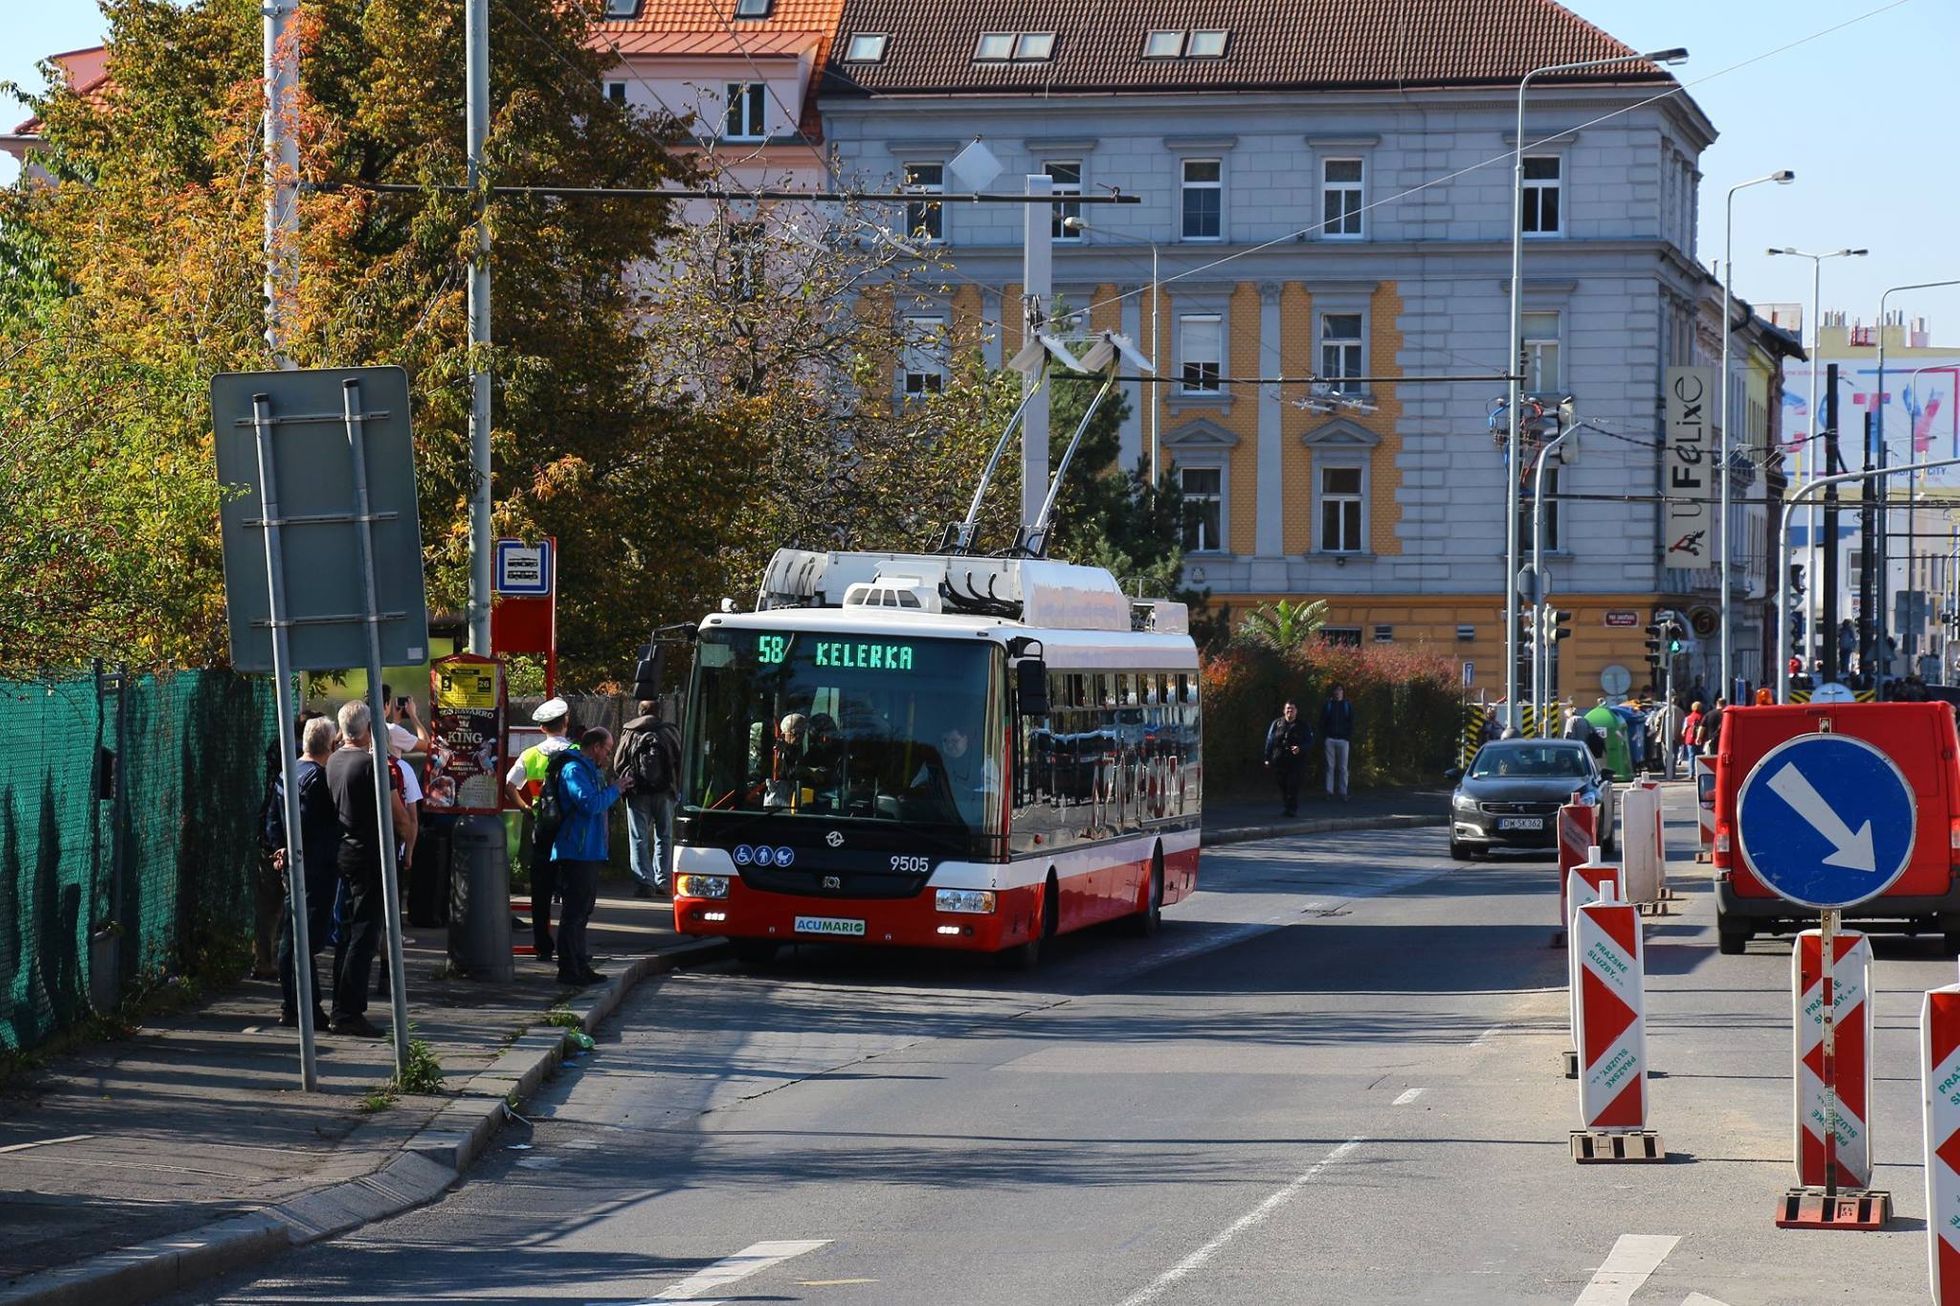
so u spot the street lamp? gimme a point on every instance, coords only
(1884, 488)
(1816, 420)
(1782, 177)
(1513, 398)
(1156, 328)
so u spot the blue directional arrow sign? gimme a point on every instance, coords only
(1826, 821)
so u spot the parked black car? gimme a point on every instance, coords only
(1510, 796)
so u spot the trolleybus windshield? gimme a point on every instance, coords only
(880, 727)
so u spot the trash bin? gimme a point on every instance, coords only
(479, 899)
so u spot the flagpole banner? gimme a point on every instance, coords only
(1688, 467)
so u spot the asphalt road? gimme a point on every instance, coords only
(1334, 1077)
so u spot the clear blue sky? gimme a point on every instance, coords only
(1865, 116)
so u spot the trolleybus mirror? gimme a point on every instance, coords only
(1031, 685)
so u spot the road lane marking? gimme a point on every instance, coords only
(1701, 1299)
(46, 1142)
(730, 1269)
(1633, 1258)
(1408, 1097)
(1197, 1260)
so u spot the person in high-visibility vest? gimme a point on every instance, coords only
(523, 781)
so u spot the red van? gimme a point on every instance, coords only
(1920, 738)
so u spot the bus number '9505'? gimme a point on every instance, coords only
(911, 865)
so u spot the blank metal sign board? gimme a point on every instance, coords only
(316, 418)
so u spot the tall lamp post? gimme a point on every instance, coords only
(1156, 327)
(1811, 445)
(1781, 177)
(1884, 550)
(1513, 397)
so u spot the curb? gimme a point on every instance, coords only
(1321, 825)
(428, 1164)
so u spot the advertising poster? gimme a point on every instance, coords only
(466, 693)
(1688, 468)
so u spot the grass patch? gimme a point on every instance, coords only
(564, 1018)
(378, 1099)
(421, 1073)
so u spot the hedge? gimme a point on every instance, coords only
(1408, 710)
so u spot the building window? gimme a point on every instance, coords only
(865, 47)
(1340, 198)
(1538, 353)
(745, 259)
(1067, 177)
(616, 92)
(1204, 508)
(925, 219)
(1185, 45)
(1204, 199)
(1340, 510)
(622, 8)
(1018, 47)
(1340, 351)
(753, 8)
(1201, 352)
(1343, 636)
(922, 362)
(1541, 195)
(746, 105)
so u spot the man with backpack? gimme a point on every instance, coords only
(650, 756)
(572, 805)
(523, 782)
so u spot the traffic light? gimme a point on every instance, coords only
(1676, 634)
(1528, 625)
(1557, 624)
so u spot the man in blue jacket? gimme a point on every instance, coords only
(580, 850)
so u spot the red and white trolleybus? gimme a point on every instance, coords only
(932, 750)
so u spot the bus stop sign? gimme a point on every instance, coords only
(1826, 821)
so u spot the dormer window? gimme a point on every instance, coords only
(753, 8)
(1208, 43)
(622, 8)
(1014, 47)
(865, 47)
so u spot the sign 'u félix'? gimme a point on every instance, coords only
(1687, 467)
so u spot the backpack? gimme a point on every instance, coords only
(548, 813)
(647, 759)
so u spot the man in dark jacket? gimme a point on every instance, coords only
(319, 843)
(1337, 728)
(650, 752)
(1287, 741)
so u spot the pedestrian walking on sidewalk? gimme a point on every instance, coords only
(1708, 731)
(319, 843)
(350, 779)
(1337, 730)
(650, 754)
(579, 848)
(268, 881)
(400, 742)
(526, 776)
(1285, 755)
(1690, 741)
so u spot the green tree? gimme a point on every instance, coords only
(1283, 625)
(147, 269)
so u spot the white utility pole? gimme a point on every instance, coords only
(1037, 288)
(476, 40)
(1781, 177)
(281, 175)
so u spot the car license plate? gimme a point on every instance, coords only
(1511, 823)
(829, 925)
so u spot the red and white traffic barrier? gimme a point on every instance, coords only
(1939, 1053)
(1577, 832)
(1851, 1008)
(1589, 881)
(1704, 778)
(1606, 940)
(1641, 850)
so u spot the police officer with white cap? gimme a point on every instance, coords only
(523, 783)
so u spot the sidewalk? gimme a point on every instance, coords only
(198, 1118)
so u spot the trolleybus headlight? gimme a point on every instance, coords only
(966, 900)
(703, 886)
